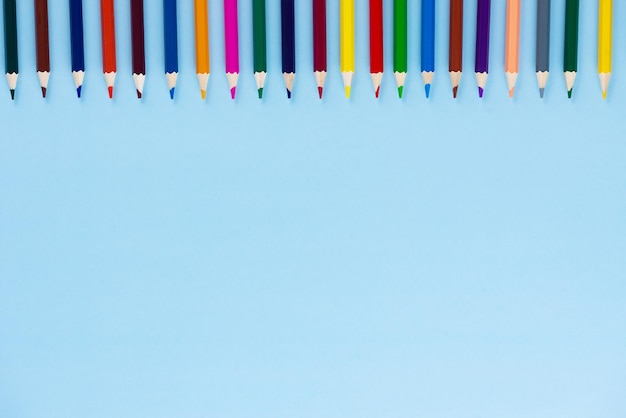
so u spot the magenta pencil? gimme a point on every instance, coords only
(231, 44)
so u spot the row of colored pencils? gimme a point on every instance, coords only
(512, 43)
(288, 42)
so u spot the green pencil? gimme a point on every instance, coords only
(10, 44)
(259, 41)
(570, 56)
(400, 29)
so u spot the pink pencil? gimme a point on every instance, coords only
(231, 44)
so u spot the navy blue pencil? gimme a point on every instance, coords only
(170, 29)
(77, 44)
(288, 25)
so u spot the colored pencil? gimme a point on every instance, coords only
(259, 40)
(428, 44)
(231, 44)
(288, 26)
(320, 56)
(511, 54)
(203, 57)
(10, 45)
(570, 53)
(543, 44)
(455, 53)
(483, 30)
(346, 40)
(605, 43)
(400, 40)
(42, 41)
(377, 57)
(138, 45)
(109, 57)
(77, 44)
(170, 33)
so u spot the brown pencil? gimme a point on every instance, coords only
(455, 64)
(42, 44)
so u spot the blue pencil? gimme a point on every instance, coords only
(428, 43)
(170, 30)
(77, 44)
(287, 17)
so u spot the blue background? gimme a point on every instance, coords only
(301, 258)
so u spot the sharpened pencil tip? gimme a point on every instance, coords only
(427, 89)
(604, 95)
(455, 91)
(400, 91)
(139, 95)
(79, 90)
(233, 93)
(260, 91)
(172, 90)
(569, 93)
(43, 92)
(541, 92)
(110, 92)
(511, 93)
(288, 94)
(12, 94)
(203, 94)
(377, 92)
(481, 92)
(320, 91)
(348, 92)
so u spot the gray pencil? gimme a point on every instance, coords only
(543, 44)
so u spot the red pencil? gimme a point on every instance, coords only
(109, 59)
(319, 44)
(377, 61)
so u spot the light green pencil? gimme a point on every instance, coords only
(400, 50)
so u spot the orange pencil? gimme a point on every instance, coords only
(109, 60)
(511, 54)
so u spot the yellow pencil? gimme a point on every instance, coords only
(346, 29)
(605, 38)
(203, 56)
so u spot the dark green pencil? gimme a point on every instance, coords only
(10, 44)
(259, 40)
(570, 56)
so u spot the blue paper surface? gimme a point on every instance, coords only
(312, 258)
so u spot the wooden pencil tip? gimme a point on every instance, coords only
(481, 92)
(427, 90)
(541, 92)
(400, 91)
(233, 93)
(172, 90)
(604, 95)
(455, 91)
(139, 95)
(12, 94)
(79, 90)
(110, 92)
(569, 93)
(377, 92)
(320, 91)
(348, 92)
(260, 91)
(203, 94)
(288, 94)
(43, 92)
(511, 93)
